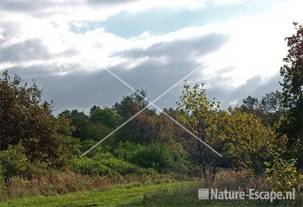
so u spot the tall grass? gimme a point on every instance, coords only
(66, 182)
(187, 194)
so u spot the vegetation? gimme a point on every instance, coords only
(116, 196)
(263, 136)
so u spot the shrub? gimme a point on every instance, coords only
(103, 164)
(159, 158)
(282, 175)
(117, 165)
(14, 162)
(2, 184)
(127, 150)
(88, 166)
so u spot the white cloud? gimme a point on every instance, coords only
(255, 47)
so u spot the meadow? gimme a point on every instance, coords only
(176, 194)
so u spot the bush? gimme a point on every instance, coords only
(2, 184)
(127, 150)
(14, 162)
(103, 164)
(153, 156)
(282, 175)
(117, 165)
(88, 166)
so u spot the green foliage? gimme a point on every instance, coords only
(269, 108)
(292, 89)
(117, 165)
(85, 128)
(14, 162)
(155, 156)
(103, 164)
(161, 159)
(79, 120)
(200, 115)
(28, 121)
(250, 143)
(291, 72)
(127, 150)
(282, 175)
(142, 128)
(131, 104)
(88, 166)
(105, 116)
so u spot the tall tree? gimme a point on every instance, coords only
(142, 127)
(28, 121)
(292, 74)
(249, 142)
(199, 114)
(269, 108)
(104, 115)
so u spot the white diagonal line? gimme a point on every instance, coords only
(166, 114)
(135, 115)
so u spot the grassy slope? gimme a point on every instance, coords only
(115, 196)
(153, 195)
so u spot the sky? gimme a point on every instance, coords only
(67, 46)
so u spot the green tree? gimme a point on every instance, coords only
(199, 114)
(249, 142)
(105, 116)
(79, 120)
(131, 104)
(269, 108)
(250, 104)
(142, 127)
(28, 121)
(292, 74)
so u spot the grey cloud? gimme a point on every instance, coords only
(253, 87)
(100, 88)
(30, 49)
(26, 50)
(180, 49)
(110, 2)
(82, 90)
(24, 6)
(75, 90)
(46, 7)
(39, 8)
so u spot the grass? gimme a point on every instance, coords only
(187, 197)
(115, 196)
(138, 192)
(178, 194)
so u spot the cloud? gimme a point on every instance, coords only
(237, 57)
(110, 2)
(90, 10)
(255, 86)
(24, 6)
(84, 89)
(180, 49)
(27, 50)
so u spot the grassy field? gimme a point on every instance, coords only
(116, 196)
(153, 195)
